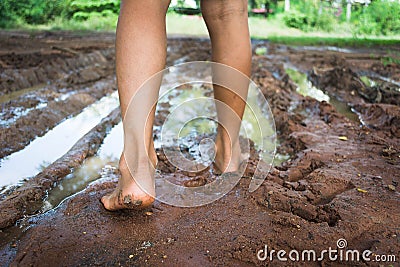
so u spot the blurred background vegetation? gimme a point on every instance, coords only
(334, 18)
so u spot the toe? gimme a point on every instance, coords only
(107, 203)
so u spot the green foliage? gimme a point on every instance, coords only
(30, 11)
(17, 12)
(333, 41)
(7, 15)
(260, 3)
(88, 6)
(307, 15)
(296, 19)
(381, 17)
(82, 10)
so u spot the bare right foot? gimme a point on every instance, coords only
(228, 156)
(129, 194)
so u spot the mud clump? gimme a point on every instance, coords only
(342, 82)
(381, 117)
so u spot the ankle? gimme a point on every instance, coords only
(226, 145)
(137, 163)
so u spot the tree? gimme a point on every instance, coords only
(348, 10)
(287, 5)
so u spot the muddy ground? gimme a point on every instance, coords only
(341, 180)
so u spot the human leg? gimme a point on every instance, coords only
(227, 24)
(140, 53)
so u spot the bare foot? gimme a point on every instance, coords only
(228, 157)
(128, 194)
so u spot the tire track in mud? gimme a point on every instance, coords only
(39, 121)
(93, 75)
(26, 199)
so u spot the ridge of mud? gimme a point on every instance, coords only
(75, 70)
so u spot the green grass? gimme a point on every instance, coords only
(275, 31)
(95, 23)
(186, 25)
(272, 29)
(333, 41)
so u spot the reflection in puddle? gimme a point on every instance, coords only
(77, 181)
(46, 149)
(14, 113)
(305, 88)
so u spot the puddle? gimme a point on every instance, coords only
(367, 81)
(305, 88)
(108, 155)
(344, 109)
(55, 143)
(16, 94)
(18, 112)
(261, 51)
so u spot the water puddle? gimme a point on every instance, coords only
(46, 149)
(91, 169)
(72, 129)
(13, 95)
(305, 88)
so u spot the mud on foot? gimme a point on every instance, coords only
(129, 194)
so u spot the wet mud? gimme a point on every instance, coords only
(341, 180)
